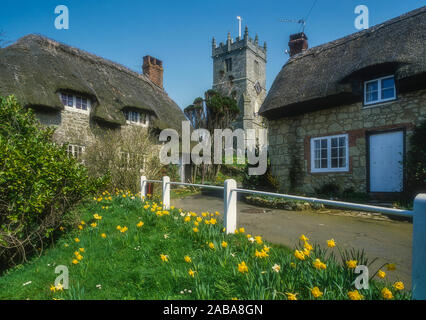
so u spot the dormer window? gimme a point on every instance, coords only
(379, 90)
(136, 117)
(75, 102)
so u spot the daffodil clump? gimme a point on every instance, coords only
(124, 247)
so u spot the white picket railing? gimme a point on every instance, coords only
(230, 191)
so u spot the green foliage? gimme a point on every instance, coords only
(264, 182)
(416, 161)
(38, 182)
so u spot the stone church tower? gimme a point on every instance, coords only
(239, 71)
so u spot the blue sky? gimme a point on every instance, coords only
(180, 32)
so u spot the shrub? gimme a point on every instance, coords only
(124, 155)
(416, 160)
(38, 183)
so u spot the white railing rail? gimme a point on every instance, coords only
(230, 191)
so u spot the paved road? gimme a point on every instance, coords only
(390, 241)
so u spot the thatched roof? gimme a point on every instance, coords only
(36, 68)
(333, 73)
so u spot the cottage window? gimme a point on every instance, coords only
(136, 117)
(75, 102)
(379, 90)
(329, 154)
(75, 151)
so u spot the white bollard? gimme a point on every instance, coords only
(166, 193)
(143, 188)
(419, 248)
(230, 205)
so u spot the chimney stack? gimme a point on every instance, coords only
(298, 43)
(153, 69)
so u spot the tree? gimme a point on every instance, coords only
(215, 111)
(416, 161)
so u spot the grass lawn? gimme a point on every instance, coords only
(127, 249)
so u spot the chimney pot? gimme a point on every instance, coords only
(153, 69)
(298, 43)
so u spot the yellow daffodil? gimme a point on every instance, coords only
(316, 292)
(93, 225)
(140, 224)
(387, 294)
(399, 285)
(77, 240)
(241, 230)
(381, 274)
(211, 245)
(355, 295)
(319, 265)
(195, 229)
(191, 272)
(391, 266)
(331, 243)
(164, 257)
(291, 296)
(304, 238)
(258, 239)
(103, 235)
(351, 264)
(242, 267)
(299, 255)
(187, 259)
(81, 250)
(75, 261)
(224, 244)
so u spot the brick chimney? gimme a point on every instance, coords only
(298, 43)
(153, 69)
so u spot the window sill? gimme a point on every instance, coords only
(330, 171)
(378, 104)
(72, 109)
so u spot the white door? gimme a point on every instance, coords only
(386, 155)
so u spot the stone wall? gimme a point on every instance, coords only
(289, 140)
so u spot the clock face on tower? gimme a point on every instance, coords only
(257, 87)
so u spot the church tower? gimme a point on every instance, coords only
(239, 71)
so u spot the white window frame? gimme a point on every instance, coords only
(74, 151)
(329, 168)
(74, 103)
(379, 91)
(138, 121)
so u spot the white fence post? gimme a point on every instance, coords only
(166, 193)
(230, 205)
(419, 248)
(143, 188)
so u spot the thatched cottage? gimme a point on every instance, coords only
(79, 92)
(340, 114)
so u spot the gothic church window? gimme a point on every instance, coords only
(228, 64)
